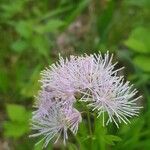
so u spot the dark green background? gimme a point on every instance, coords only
(34, 32)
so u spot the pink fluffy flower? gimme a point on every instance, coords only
(46, 99)
(118, 99)
(96, 80)
(54, 121)
(77, 73)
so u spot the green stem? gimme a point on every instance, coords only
(90, 129)
(89, 123)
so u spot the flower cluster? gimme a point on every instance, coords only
(100, 87)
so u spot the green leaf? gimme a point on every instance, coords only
(30, 88)
(24, 28)
(100, 132)
(41, 44)
(142, 62)
(15, 129)
(110, 139)
(139, 40)
(17, 113)
(19, 121)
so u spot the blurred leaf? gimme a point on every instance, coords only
(139, 40)
(110, 139)
(19, 45)
(16, 112)
(15, 129)
(100, 132)
(140, 80)
(132, 130)
(41, 45)
(30, 88)
(104, 21)
(24, 28)
(82, 137)
(19, 121)
(51, 26)
(142, 62)
(12, 8)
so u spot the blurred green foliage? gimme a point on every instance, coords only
(33, 32)
(19, 121)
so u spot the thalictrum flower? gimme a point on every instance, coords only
(96, 80)
(55, 122)
(118, 100)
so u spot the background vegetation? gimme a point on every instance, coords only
(33, 32)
